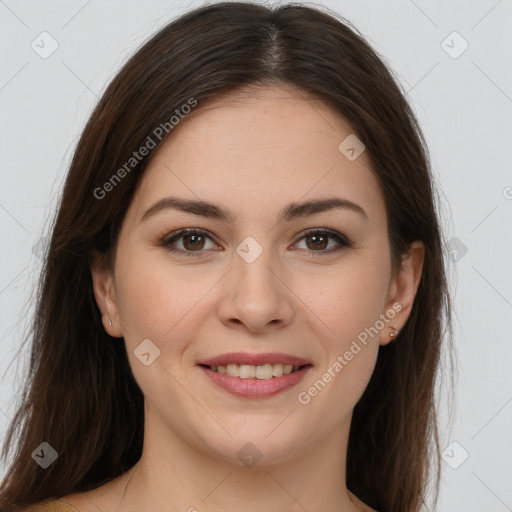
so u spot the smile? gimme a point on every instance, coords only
(262, 372)
(251, 381)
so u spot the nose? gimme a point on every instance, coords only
(255, 295)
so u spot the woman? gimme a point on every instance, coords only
(243, 298)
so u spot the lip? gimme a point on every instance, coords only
(254, 359)
(255, 388)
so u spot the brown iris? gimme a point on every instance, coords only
(324, 240)
(196, 241)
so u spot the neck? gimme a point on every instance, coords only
(178, 474)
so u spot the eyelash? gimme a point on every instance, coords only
(342, 240)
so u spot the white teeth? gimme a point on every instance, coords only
(277, 370)
(250, 371)
(233, 370)
(264, 372)
(247, 371)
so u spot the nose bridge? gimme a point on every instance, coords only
(255, 295)
(255, 277)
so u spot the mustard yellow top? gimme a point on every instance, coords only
(52, 505)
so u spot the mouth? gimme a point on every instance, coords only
(255, 381)
(260, 372)
(260, 375)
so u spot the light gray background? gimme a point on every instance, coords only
(465, 108)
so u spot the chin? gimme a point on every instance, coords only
(251, 446)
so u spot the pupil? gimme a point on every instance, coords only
(195, 240)
(317, 237)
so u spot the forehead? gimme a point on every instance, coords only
(259, 147)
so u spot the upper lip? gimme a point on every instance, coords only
(254, 359)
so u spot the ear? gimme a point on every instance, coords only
(402, 290)
(105, 294)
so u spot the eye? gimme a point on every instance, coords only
(192, 241)
(317, 241)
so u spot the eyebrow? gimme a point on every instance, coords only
(289, 212)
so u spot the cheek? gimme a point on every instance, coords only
(160, 302)
(336, 388)
(158, 306)
(349, 305)
(150, 300)
(348, 302)
(346, 299)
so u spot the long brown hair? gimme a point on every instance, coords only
(80, 395)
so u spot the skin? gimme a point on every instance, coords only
(266, 147)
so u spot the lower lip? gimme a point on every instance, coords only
(255, 388)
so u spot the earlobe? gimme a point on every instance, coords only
(402, 291)
(104, 293)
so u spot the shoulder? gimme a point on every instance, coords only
(51, 505)
(363, 506)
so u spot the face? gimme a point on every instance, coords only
(315, 283)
